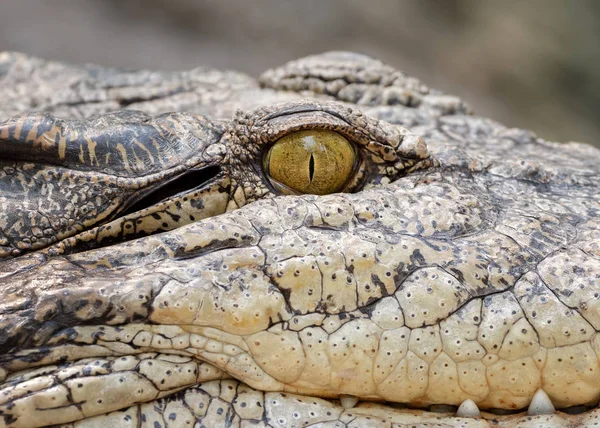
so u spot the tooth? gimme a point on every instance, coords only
(348, 401)
(468, 409)
(540, 404)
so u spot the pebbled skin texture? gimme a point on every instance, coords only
(68, 179)
(467, 270)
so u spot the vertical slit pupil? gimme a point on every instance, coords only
(311, 167)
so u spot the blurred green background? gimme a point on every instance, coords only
(528, 63)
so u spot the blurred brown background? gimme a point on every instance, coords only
(528, 63)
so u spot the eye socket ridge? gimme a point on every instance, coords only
(312, 161)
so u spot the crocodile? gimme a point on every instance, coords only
(169, 257)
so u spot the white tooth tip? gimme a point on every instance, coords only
(468, 409)
(540, 404)
(348, 401)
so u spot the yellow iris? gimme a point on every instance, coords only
(314, 161)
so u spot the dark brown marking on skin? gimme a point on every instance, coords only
(480, 234)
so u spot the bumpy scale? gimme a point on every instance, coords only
(461, 275)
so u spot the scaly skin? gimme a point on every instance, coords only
(467, 270)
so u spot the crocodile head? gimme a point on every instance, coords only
(461, 269)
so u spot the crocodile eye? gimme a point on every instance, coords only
(314, 161)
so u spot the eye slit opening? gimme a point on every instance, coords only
(311, 161)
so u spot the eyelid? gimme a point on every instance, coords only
(385, 152)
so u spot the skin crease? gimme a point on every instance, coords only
(461, 263)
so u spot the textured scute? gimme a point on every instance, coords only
(67, 392)
(450, 316)
(230, 403)
(122, 174)
(467, 267)
(60, 178)
(68, 91)
(358, 79)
